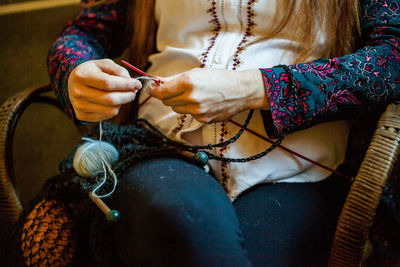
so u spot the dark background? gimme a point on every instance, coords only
(44, 135)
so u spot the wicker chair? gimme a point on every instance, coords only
(357, 214)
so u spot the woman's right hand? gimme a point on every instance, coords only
(98, 88)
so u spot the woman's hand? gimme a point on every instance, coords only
(211, 95)
(98, 88)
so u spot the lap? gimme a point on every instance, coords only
(173, 212)
(287, 223)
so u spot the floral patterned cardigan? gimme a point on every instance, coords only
(327, 89)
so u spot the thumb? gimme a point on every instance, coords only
(170, 87)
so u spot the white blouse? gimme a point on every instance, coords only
(228, 34)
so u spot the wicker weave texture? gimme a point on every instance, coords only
(362, 201)
(10, 112)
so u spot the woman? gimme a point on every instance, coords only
(215, 61)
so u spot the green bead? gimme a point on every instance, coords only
(113, 216)
(201, 158)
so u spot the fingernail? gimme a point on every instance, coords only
(152, 85)
(137, 85)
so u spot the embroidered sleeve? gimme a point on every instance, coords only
(97, 32)
(330, 89)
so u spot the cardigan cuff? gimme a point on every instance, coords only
(286, 111)
(272, 85)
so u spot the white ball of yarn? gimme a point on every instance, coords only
(88, 159)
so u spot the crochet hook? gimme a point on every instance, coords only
(157, 81)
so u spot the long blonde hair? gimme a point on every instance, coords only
(340, 17)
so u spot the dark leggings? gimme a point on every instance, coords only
(175, 214)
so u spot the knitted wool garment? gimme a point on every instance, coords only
(62, 226)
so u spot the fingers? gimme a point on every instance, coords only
(204, 113)
(113, 98)
(95, 105)
(88, 107)
(92, 117)
(171, 87)
(105, 81)
(105, 75)
(98, 88)
(184, 109)
(179, 100)
(91, 112)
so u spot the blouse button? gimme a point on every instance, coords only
(218, 60)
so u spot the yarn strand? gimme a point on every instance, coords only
(198, 147)
(106, 168)
(100, 131)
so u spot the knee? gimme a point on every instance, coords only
(178, 227)
(188, 195)
(186, 203)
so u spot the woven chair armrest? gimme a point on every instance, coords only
(10, 112)
(365, 193)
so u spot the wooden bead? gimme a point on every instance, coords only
(201, 158)
(113, 216)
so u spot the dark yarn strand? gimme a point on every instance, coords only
(171, 144)
(196, 147)
(251, 158)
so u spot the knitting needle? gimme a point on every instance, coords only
(111, 215)
(157, 81)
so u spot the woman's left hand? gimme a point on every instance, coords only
(211, 95)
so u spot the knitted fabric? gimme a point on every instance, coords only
(47, 236)
(62, 226)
